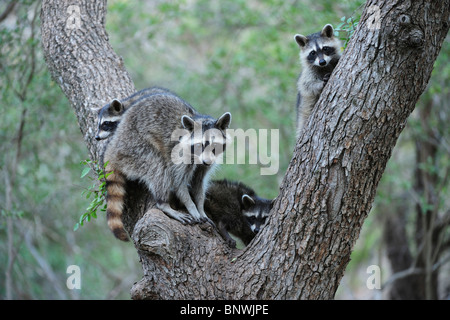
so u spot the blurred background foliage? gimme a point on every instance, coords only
(236, 56)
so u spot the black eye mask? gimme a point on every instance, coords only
(109, 126)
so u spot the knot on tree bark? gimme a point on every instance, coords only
(407, 33)
(153, 235)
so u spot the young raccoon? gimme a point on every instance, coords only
(235, 208)
(161, 141)
(320, 53)
(109, 115)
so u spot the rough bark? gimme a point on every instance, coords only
(331, 181)
(82, 61)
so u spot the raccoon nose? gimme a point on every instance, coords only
(256, 229)
(97, 137)
(322, 62)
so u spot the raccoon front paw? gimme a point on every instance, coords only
(208, 220)
(326, 77)
(187, 220)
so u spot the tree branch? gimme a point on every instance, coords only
(8, 10)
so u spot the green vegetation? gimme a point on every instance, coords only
(97, 190)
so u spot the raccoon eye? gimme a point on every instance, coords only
(312, 53)
(216, 147)
(251, 219)
(108, 125)
(198, 146)
(327, 50)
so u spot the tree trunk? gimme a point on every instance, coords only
(82, 61)
(419, 270)
(331, 181)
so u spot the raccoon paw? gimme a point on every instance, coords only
(208, 220)
(186, 219)
(326, 77)
(193, 221)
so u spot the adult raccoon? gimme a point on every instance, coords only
(161, 141)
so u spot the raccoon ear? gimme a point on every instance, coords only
(116, 105)
(247, 201)
(327, 31)
(224, 121)
(188, 123)
(301, 40)
(272, 203)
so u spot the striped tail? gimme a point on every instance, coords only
(115, 195)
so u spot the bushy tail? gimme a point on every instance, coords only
(115, 195)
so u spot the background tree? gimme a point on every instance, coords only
(40, 153)
(417, 257)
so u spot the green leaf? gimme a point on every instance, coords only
(85, 171)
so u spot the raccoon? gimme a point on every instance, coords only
(319, 55)
(161, 141)
(109, 115)
(235, 208)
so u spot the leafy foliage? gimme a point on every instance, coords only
(97, 190)
(345, 29)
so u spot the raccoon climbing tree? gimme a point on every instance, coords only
(332, 178)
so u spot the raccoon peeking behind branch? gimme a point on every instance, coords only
(319, 55)
(234, 208)
(109, 115)
(162, 141)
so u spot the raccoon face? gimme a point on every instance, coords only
(108, 119)
(207, 138)
(318, 49)
(256, 211)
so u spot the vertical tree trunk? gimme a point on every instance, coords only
(331, 181)
(82, 61)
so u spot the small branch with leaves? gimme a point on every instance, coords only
(97, 190)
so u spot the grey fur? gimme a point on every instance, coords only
(316, 69)
(109, 115)
(235, 208)
(142, 148)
